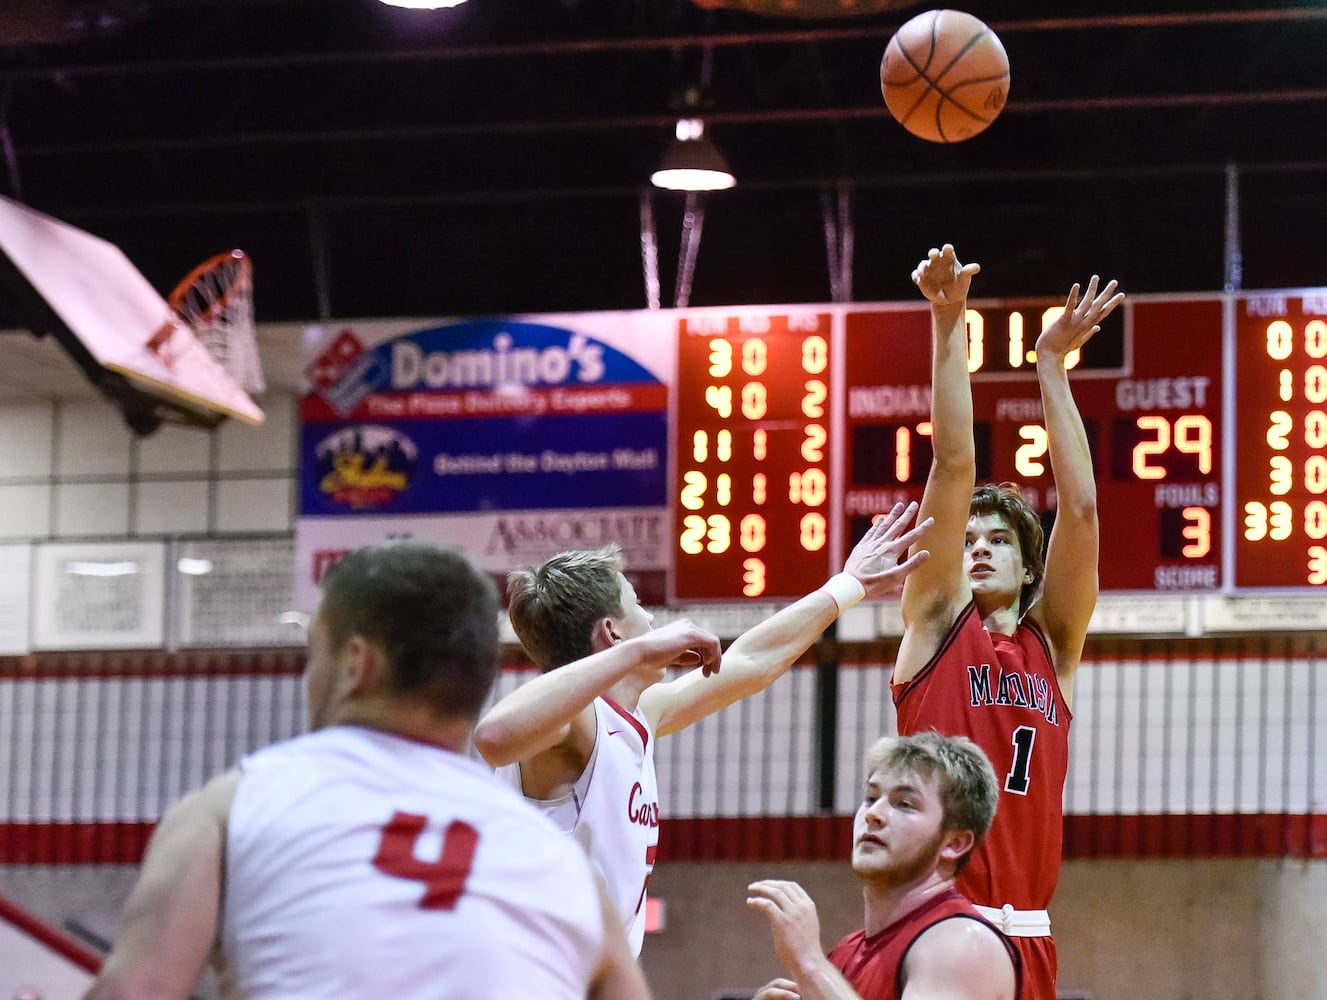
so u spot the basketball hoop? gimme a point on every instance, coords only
(216, 300)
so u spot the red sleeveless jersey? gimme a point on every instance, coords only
(1002, 693)
(874, 965)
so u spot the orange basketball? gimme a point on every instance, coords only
(945, 76)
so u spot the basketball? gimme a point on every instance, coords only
(944, 76)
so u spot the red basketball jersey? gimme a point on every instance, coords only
(1002, 693)
(874, 965)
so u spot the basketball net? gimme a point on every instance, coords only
(216, 300)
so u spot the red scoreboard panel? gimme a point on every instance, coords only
(1280, 536)
(1206, 416)
(751, 503)
(1149, 387)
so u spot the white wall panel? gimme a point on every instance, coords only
(25, 445)
(25, 510)
(91, 439)
(267, 447)
(92, 509)
(171, 507)
(175, 448)
(105, 748)
(254, 505)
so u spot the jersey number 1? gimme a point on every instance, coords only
(444, 879)
(1017, 780)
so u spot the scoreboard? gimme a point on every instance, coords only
(1206, 417)
(1280, 363)
(753, 455)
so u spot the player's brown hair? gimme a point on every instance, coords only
(553, 608)
(1006, 499)
(969, 792)
(433, 614)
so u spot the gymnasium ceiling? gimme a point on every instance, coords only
(493, 158)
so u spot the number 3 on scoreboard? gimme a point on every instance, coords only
(1016, 781)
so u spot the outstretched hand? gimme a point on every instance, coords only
(1080, 320)
(682, 643)
(942, 279)
(877, 560)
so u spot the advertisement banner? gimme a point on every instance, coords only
(511, 439)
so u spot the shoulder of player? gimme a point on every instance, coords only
(1062, 641)
(211, 802)
(197, 818)
(959, 948)
(925, 631)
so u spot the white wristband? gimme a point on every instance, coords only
(845, 589)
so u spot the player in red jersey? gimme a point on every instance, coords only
(928, 801)
(973, 661)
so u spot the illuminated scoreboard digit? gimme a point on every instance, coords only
(752, 456)
(1281, 440)
(1148, 386)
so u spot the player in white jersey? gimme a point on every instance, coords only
(622, 767)
(372, 857)
(580, 620)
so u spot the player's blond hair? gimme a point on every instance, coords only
(969, 792)
(554, 608)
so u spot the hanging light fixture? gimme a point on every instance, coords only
(693, 162)
(423, 4)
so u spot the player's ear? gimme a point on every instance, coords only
(956, 843)
(363, 665)
(605, 634)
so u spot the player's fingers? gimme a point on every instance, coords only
(1109, 306)
(883, 524)
(913, 561)
(778, 989)
(706, 654)
(771, 888)
(914, 534)
(900, 520)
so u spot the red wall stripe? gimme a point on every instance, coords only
(828, 838)
(789, 838)
(58, 942)
(1239, 835)
(123, 666)
(73, 843)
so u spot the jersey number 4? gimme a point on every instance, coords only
(444, 879)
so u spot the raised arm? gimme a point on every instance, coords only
(171, 917)
(935, 594)
(876, 567)
(540, 714)
(1070, 590)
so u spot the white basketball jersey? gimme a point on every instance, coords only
(613, 810)
(364, 865)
